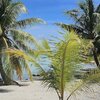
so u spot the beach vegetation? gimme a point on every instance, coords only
(65, 59)
(12, 36)
(86, 23)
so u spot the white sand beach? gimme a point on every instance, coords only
(35, 91)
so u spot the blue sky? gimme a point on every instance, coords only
(51, 11)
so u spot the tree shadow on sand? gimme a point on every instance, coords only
(19, 84)
(5, 90)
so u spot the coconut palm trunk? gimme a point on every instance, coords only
(96, 58)
(5, 78)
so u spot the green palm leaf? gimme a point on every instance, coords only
(64, 61)
(29, 21)
(19, 35)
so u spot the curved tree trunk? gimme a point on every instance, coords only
(6, 79)
(96, 58)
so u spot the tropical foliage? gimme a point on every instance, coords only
(87, 19)
(12, 37)
(65, 59)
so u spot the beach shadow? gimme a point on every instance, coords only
(24, 85)
(21, 84)
(5, 91)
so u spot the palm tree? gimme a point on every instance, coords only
(86, 22)
(64, 60)
(86, 19)
(12, 37)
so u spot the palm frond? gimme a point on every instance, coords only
(98, 9)
(73, 13)
(19, 35)
(20, 54)
(18, 59)
(9, 13)
(83, 6)
(46, 45)
(15, 8)
(17, 53)
(16, 66)
(25, 66)
(64, 61)
(69, 28)
(25, 22)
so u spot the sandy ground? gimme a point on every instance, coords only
(34, 91)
